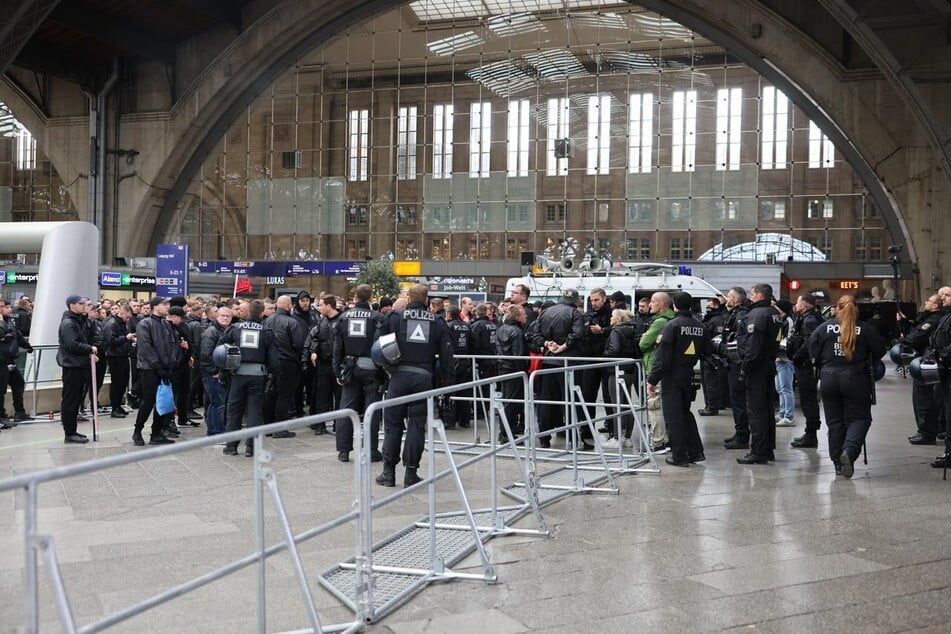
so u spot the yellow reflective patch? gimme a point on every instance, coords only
(690, 349)
(779, 335)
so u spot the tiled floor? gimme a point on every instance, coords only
(784, 547)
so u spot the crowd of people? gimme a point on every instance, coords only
(302, 357)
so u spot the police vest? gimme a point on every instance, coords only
(459, 331)
(249, 336)
(358, 327)
(416, 334)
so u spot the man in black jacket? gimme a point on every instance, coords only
(736, 312)
(196, 321)
(559, 329)
(711, 372)
(510, 342)
(158, 351)
(211, 377)
(116, 343)
(181, 376)
(807, 320)
(457, 411)
(319, 346)
(597, 327)
(308, 316)
(74, 356)
(11, 341)
(284, 363)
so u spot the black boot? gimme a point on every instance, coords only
(808, 440)
(388, 477)
(411, 478)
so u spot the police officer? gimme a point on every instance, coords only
(354, 333)
(284, 363)
(319, 345)
(925, 399)
(158, 355)
(555, 333)
(246, 391)
(421, 337)
(736, 310)
(714, 321)
(679, 346)
(758, 337)
(807, 320)
(940, 346)
(845, 348)
(458, 412)
(510, 342)
(483, 330)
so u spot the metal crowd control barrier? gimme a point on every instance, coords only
(40, 544)
(33, 369)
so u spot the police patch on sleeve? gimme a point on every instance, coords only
(925, 326)
(750, 328)
(659, 338)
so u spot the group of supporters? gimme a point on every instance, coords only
(300, 357)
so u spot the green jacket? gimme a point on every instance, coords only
(648, 343)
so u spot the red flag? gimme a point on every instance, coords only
(243, 287)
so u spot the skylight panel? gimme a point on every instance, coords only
(455, 43)
(515, 24)
(556, 64)
(505, 77)
(427, 10)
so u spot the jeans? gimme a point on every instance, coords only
(784, 387)
(215, 412)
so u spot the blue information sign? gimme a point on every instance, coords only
(171, 270)
(107, 278)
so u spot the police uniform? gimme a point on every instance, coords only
(354, 334)
(846, 386)
(758, 337)
(326, 391)
(459, 412)
(246, 390)
(940, 346)
(803, 327)
(510, 342)
(711, 375)
(925, 399)
(678, 347)
(741, 425)
(421, 337)
(483, 332)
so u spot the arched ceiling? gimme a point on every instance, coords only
(906, 44)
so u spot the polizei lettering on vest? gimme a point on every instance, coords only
(835, 328)
(415, 313)
(693, 331)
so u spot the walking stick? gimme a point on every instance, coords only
(94, 405)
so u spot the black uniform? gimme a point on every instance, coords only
(510, 342)
(246, 390)
(758, 337)
(715, 382)
(803, 327)
(741, 423)
(561, 323)
(157, 356)
(422, 337)
(622, 344)
(11, 340)
(940, 346)
(458, 412)
(196, 328)
(679, 346)
(181, 376)
(94, 335)
(285, 352)
(847, 386)
(483, 343)
(925, 399)
(354, 333)
(325, 392)
(115, 347)
(305, 389)
(592, 345)
(73, 356)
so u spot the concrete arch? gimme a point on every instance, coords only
(782, 53)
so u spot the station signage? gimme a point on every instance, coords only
(107, 278)
(171, 270)
(113, 279)
(270, 268)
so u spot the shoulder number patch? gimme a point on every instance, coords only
(750, 328)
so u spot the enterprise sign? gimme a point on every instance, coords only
(14, 277)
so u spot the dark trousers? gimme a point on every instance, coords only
(362, 391)
(760, 386)
(402, 383)
(926, 401)
(682, 433)
(245, 396)
(279, 395)
(847, 403)
(459, 412)
(627, 420)
(741, 423)
(808, 395)
(326, 392)
(944, 390)
(181, 384)
(305, 391)
(14, 380)
(74, 387)
(135, 380)
(196, 387)
(551, 388)
(514, 390)
(119, 372)
(710, 377)
(591, 382)
(149, 381)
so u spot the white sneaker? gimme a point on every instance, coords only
(610, 444)
(604, 438)
(628, 442)
(785, 422)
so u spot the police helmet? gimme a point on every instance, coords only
(227, 357)
(879, 370)
(385, 351)
(732, 352)
(924, 369)
(902, 354)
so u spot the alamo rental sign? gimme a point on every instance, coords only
(15, 277)
(108, 279)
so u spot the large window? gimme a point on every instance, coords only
(821, 150)
(406, 144)
(442, 140)
(774, 129)
(559, 145)
(729, 118)
(681, 248)
(26, 150)
(684, 120)
(518, 138)
(641, 132)
(359, 147)
(480, 139)
(599, 134)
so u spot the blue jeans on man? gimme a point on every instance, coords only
(784, 388)
(215, 410)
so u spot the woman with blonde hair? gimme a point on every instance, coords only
(845, 350)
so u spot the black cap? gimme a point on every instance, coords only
(177, 310)
(683, 301)
(386, 301)
(178, 300)
(617, 296)
(303, 294)
(784, 305)
(158, 299)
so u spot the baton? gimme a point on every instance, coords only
(95, 399)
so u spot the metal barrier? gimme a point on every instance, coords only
(32, 368)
